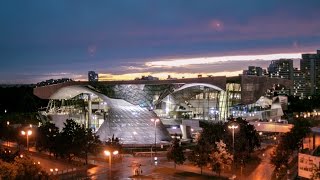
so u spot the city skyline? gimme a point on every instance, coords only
(44, 40)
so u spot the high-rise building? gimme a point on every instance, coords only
(282, 68)
(254, 71)
(93, 76)
(299, 84)
(310, 65)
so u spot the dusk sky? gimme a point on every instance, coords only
(124, 39)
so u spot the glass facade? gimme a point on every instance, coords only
(126, 110)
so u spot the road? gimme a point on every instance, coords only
(264, 170)
(125, 168)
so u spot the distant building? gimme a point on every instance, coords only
(254, 71)
(53, 81)
(147, 78)
(283, 69)
(299, 84)
(310, 65)
(93, 76)
(171, 78)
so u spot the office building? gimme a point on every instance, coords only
(283, 69)
(310, 65)
(299, 84)
(254, 71)
(93, 76)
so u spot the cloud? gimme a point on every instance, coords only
(213, 60)
(118, 37)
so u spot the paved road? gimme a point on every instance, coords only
(264, 170)
(123, 169)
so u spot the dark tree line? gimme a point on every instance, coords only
(246, 137)
(290, 142)
(14, 166)
(215, 144)
(73, 141)
(303, 105)
(175, 152)
(19, 100)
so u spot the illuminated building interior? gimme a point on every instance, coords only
(125, 110)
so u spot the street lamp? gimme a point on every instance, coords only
(27, 133)
(108, 153)
(8, 123)
(233, 127)
(155, 138)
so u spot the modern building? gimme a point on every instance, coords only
(254, 71)
(93, 76)
(53, 81)
(282, 68)
(125, 108)
(310, 66)
(299, 84)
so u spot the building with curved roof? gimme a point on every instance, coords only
(125, 108)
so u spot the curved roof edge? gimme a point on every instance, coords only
(198, 84)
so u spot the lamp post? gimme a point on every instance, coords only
(155, 138)
(233, 127)
(27, 133)
(109, 154)
(8, 123)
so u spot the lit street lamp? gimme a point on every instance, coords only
(155, 138)
(108, 153)
(28, 133)
(233, 127)
(8, 123)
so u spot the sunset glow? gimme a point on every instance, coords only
(163, 75)
(212, 60)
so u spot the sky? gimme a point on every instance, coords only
(124, 39)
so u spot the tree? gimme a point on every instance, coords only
(220, 157)
(301, 128)
(289, 142)
(8, 155)
(175, 152)
(247, 139)
(212, 132)
(87, 141)
(27, 169)
(21, 168)
(200, 154)
(280, 157)
(7, 170)
(67, 140)
(114, 144)
(47, 137)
